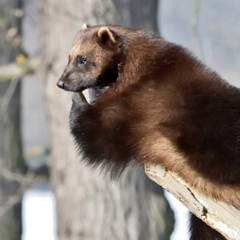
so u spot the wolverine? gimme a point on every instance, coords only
(158, 104)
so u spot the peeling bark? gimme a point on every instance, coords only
(218, 215)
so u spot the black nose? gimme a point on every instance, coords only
(60, 84)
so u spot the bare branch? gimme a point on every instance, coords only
(11, 201)
(24, 183)
(24, 180)
(7, 98)
(10, 176)
(218, 215)
(15, 71)
(29, 177)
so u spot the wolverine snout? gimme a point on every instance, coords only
(64, 79)
(60, 84)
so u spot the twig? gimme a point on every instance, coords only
(11, 201)
(7, 98)
(25, 181)
(15, 71)
(19, 177)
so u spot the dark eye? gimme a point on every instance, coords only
(81, 60)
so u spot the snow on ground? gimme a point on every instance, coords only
(39, 215)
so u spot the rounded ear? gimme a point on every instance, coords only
(106, 37)
(84, 26)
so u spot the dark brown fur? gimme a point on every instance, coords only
(161, 105)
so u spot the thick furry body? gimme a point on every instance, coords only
(162, 106)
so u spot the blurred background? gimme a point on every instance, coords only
(45, 190)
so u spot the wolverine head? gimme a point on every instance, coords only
(93, 60)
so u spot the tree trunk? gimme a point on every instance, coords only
(89, 206)
(10, 141)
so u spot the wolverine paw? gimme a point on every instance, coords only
(79, 103)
